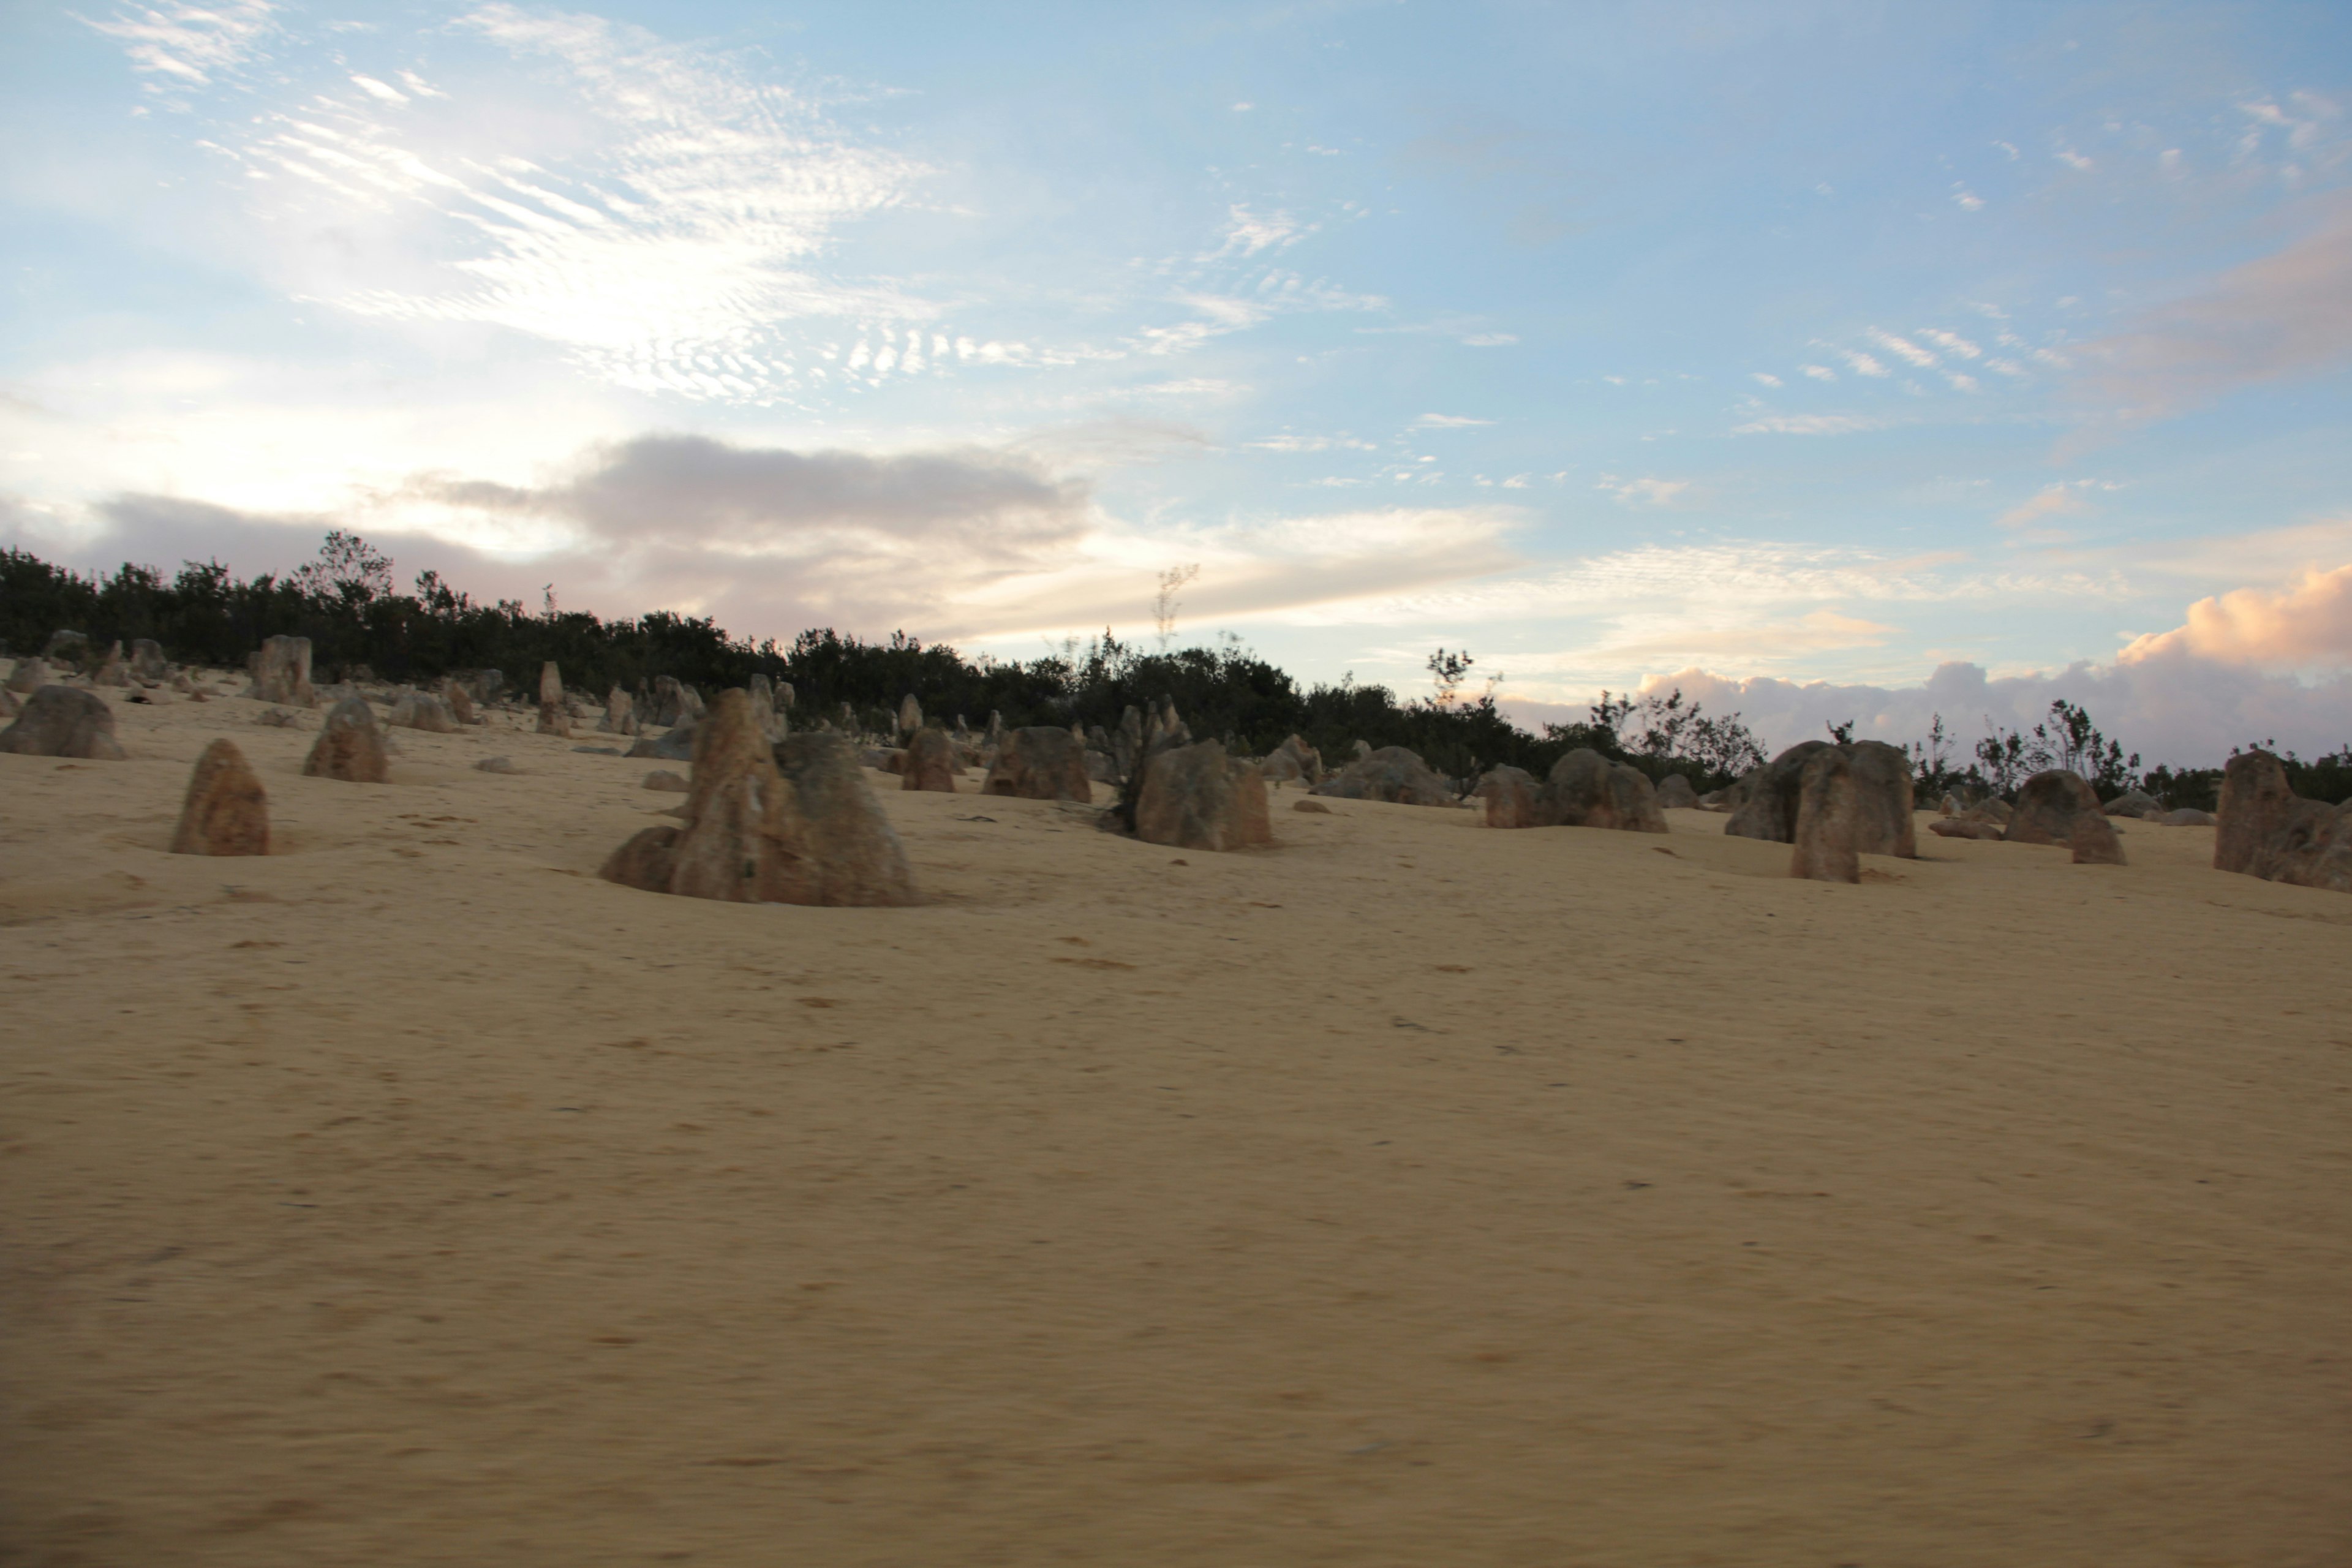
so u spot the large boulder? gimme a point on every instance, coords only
(63, 722)
(282, 673)
(929, 763)
(1510, 796)
(1042, 763)
(1391, 773)
(147, 660)
(350, 747)
(1293, 759)
(2094, 842)
(225, 812)
(2133, 803)
(29, 676)
(743, 840)
(1676, 793)
(1832, 817)
(1195, 797)
(2267, 830)
(1766, 801)
(2047, 806)
(1586, 789)
(422, 711)
(554, 717)
(858, 856)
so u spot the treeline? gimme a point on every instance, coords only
(347, 603)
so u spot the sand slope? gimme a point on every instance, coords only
(1407, 1194)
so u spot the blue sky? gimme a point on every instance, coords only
(1831, 361)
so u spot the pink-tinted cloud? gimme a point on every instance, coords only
(2307, 624)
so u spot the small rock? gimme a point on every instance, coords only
(663, 779)
(282, 673)
(929, 763)
(1674, 794)
(496, 765)
(1316, 806)
(2187, 816)
(350, 747)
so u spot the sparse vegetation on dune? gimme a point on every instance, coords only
(347, 602)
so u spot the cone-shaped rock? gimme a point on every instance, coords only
(2094, 841)
(1195, 797)
(422, 711)
(114, 669)
(29, 676)
(225, 812)
(460, 701)
(929, 763)
(911, 714)
(282, 673)
(147, 660)
(1293, 759)
(63, 722)
(620, 712)
(552, 718)
(1829, 819)
(742, 841)
(1674, 794)
(1040, 764)
(859, 859)
(350, 747)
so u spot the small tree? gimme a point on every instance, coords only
(1165, 603)
(1449, 670)
(348, 569)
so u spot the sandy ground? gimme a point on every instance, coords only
(1407, 1194)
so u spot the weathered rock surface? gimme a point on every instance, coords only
(858, 856)
(911, 714)
(2266, 830)
(554, 718)
(63, 721)
(2133, 803)
(620, 713)
(1042, 763)
(422, 711)
(674, 746)
(70, 651)
(147, 660)
(2094, 841)
(743, 840)
(114, 669)
(1196, 798)
(1510, 796)
(350, 746)
(1965, 827)
(9, 706)
(1317, 806)
(498, 765)
(929, 763)
(2187, 816)
(225, 812)
(1833, 818)
(29, 676)
(282, 673)
(1586, 789)
(460, 700)
(2047, 806)
(1674, 794)
(1391, 773)
(663, 779)
(1765, 804)
(1293, 759)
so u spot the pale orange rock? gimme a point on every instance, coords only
(225, 812)
(350, 747)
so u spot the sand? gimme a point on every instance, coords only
(1409, 1193)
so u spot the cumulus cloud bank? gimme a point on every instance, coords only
(2306, 625)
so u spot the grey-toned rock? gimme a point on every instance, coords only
(9, 706)
(114, 669)
(2187, 816)
(1951, 805)
(70, 651)
(1362, 749)
(764, 708)
(930, 762)
(555, 717)
(663, 779)
(1586, 789)
(282, 673)
(784, 697)
(1391, 773)
(498, 765)
(995, 733)
(2094, 841)
(422, 711)
(668, 703)
(224, 812)
(1965, 827)
(858, 856)
(911, 714)
(1765, 804)
(743, 840)
(2047, 805)
(2133, 803)
(29, 676)
(2266, 830)
(63, 721)
(1042, 763)
(620, 716)
(674, 746)
(1317, 806)
(1293, 759)
(1510, 796)
(1195, 797)
(147, 660)
(1831, 811)
(1674, 794)
(350, 747)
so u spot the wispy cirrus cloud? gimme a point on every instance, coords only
(183, 46)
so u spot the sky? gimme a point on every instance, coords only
(1827, 361)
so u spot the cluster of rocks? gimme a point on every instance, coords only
(1583, 789)
(2266, 830)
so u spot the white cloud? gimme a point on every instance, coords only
(1861, 363)
(1819, 372)
(1247, 233)
(380, 89)
(1951, 343)
(1642, 492)
(2067, 497)
(1490, 339)
(2307, 624)
(190, 45)
(1968, 200)
(1448, 422)
(1902, 348)
(1766, 378)
(2074, 160)
(1808, 425)
(1290, 443)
